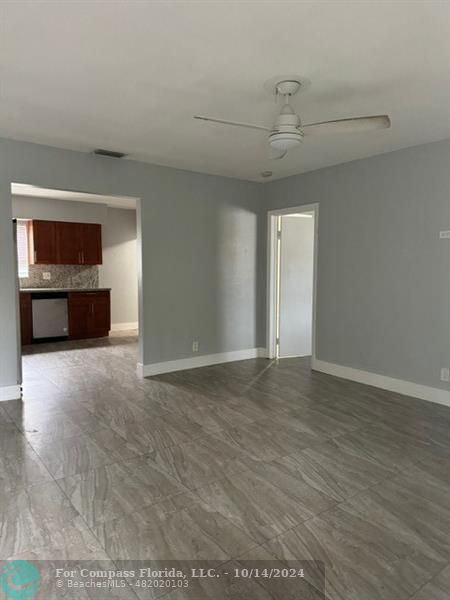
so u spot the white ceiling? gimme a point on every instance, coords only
(33, 191)
(130, 75)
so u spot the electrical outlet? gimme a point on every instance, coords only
(46, 275)
(195, 346)
(444, 234)
(445, 374)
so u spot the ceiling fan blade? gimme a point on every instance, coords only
(352, 125)
(276, 154)
(234, 123)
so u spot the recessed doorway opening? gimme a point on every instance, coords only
(78, 271)
(292, 268)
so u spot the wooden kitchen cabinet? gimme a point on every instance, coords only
(79, 309)
(89, 314)
(91, 236)
(42, 243)
(68, 243)
(61, 243)
(26, 318)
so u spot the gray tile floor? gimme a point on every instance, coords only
(252, 460)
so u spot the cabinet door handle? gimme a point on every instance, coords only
(35, 256)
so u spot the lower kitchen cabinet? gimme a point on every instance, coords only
(89, 314)
(26, 319)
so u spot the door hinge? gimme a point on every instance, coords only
(277, 341)
(278, 235)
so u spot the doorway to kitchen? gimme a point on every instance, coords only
(77, 265)
(292, 269)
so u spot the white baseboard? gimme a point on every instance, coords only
(408, 388)
(198, 361)
(10, 392)
(124, 326)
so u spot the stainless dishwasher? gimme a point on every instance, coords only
(50, 315)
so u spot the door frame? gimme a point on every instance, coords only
(272, 259)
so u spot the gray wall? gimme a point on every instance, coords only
(51, 209)
(201, 247)
(119, 269)
(383, 301)
(203, 269)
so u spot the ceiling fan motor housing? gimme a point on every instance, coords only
(287, 133)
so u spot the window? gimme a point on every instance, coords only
(22, 247)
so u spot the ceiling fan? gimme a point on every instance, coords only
(288, 131)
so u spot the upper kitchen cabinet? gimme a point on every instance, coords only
(68, 243)
(42, 242)
(91, 236)
(57, 242)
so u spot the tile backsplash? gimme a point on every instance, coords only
(62, 276)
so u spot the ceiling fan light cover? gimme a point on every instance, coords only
(285, 140)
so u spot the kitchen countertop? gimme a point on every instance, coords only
(50, 290)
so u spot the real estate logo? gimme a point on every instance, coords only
(20, 580)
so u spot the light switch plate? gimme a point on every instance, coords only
(444, 234)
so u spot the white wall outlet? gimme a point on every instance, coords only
(46, 275)
(195, 346)
(445, 374)
(444, 234)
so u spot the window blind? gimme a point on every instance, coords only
(22, 247)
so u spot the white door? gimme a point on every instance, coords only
(296, 274)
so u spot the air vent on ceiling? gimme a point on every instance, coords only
(110, 153)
